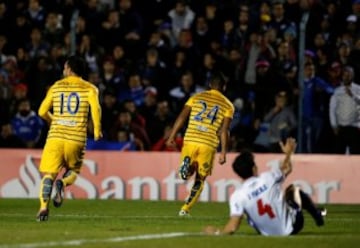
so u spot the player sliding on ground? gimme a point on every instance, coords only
(69, 99)
(210, 114)
(261, 199)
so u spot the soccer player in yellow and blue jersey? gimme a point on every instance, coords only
(66, 108)
(209, 114)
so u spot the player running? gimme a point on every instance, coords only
(209, 114)
(69, 100)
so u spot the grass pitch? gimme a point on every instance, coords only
(117, 223)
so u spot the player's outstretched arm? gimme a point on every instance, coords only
(231, 227)
(179, 123)
(288, 148)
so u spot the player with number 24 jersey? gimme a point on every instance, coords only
(209, 114)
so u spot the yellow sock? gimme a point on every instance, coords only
(45, 190)
(69, 178)
(194, 194)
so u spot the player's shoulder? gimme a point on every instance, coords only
(238, 194)
(89, 86)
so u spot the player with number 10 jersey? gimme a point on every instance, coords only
(66, 107)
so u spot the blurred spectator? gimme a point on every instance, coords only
(334, 73)
(5, 96)
(4, 18)
(162, 117)
(112, 31)
(5, 86)
(149, 106)
(282, 122)
(109, 109)
(206, 70)
(181, 17)
(180, 94)
(36, 13)
(90, 52)
(122, 63)
(8, 139)
(133, 27)
(15, 75)
(53, 31)
(135, 91)
(153, 71)
(160, 145)
(124, 121)
(37, 47)
(21, 31)
(279, 21)
(3, 45)
(39, 75)
(130, 106)
(315, 99)
(92, 15)
(345, 115)
(20, 92)
(112, 78)
(27, 124)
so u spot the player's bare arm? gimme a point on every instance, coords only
(230, 228)
(95, 113)
(44, 109)
(224, 139)
(179, 123)
(288, 148)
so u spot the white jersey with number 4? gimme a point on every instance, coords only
(262, 200)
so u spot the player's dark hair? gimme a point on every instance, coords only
(77, 65)
(217, 80)
(243, 164)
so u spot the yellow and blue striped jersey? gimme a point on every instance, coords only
(208, 109)
(70, 99)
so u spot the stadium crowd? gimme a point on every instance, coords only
(147, 58)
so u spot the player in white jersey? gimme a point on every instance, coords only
(261, 199)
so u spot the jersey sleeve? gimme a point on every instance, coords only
(95, 110)
(275, 175)
(190, 101)
(229, 113)
(236, 205)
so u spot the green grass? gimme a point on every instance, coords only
(96, 222)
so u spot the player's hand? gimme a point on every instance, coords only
(211, 230)
(98, 136)
(222, 158)
(289, 147)
(171, 142)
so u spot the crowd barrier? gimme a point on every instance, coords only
(153, 176)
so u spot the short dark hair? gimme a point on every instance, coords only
(77, 65)
(243, 164)
(217, 80)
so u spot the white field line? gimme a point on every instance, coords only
(88, 241)
(126, 217)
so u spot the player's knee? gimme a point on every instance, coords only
(292, 195)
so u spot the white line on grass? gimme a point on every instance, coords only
(87, 241)
(166, 217)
